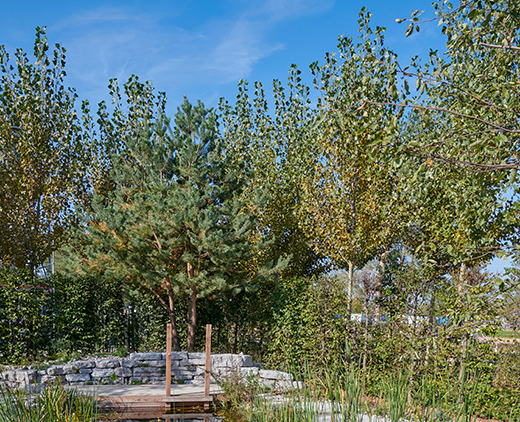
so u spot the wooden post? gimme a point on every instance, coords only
(208, 360)
(168, 360)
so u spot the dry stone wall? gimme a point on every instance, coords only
(144, 368)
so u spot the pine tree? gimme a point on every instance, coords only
(175, 220)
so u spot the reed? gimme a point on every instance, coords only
(339, 394)
(52, 404)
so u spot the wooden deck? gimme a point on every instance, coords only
(155, 402)
(167, 402)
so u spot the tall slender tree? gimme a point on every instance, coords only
(44, 157)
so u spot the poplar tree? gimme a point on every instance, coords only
(44, 157)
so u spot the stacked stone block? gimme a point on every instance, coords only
(144, 368)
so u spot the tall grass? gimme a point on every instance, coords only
(338, 395)
(53, 404)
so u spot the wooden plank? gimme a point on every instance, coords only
(156, 414)
(168, 360)
(123, 399)
(207, 369)
(187, 415)
(188, 399)
(152, 403)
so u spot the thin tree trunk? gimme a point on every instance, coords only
(365, 341)
(378, 285)
(192, 312)
(464, 352)
(350, 288)
(175, 334)
(462, 370)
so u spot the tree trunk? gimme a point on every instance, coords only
(173, 320)
(378, 286)
(192, 319)
(464, 351)
(192, 312)
(350, 288)
(175, 335)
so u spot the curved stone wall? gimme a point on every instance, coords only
(143, 368)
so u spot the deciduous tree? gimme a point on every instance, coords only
(44, 156)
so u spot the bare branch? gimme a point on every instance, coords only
(503, 47)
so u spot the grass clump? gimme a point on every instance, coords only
(52, 404)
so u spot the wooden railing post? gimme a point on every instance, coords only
(168, 360)
(207, 371)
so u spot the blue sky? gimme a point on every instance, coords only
(202, 48)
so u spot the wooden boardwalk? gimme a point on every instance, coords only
(135, 398)
(134, 403)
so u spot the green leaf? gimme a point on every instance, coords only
(512, 176)
(409, 30)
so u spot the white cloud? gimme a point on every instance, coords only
(106, 43)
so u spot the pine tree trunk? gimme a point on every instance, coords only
(175, 334)
(192, 319)
(173, 320)
(192, 312)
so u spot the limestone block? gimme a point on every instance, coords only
(195, 381)
(21, 376)
(267, 382)
(275, 375)
(144, 380)
(47, 379)
(181, 374)
(154, 363)
(288, 385)
(196, 359)
(146, 356)
(123, 372)
(85, 364)
(157, 380)
(228, 360)
(77, 377)
(55, 370)
(32, 375)
(85, 371)
(248, 371)
(149, 372)
(129, 363)
(70, 369)
(102, 373)
(41, 373)
(177, 356)
(24, 378)
(107, 363)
